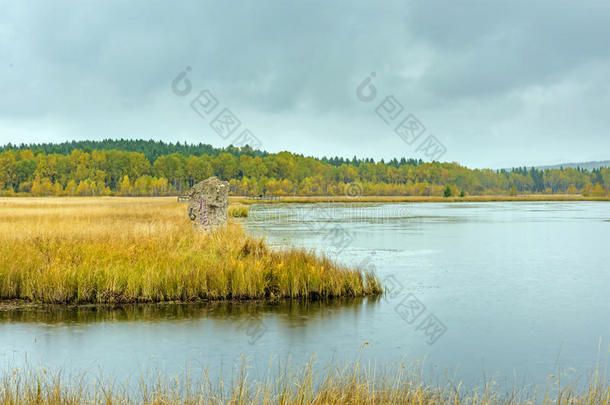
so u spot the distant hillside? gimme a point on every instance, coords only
(583, 165)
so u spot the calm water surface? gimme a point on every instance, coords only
(504, 289)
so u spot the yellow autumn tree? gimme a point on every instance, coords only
(598, 191)
(83, 188)
(572, 189)
(126, 188)
(57, 189)
(71, 188)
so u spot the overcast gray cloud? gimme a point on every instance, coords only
(499, 83)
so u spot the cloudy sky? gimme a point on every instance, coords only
(497, 83)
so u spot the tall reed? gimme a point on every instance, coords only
(115, 250)
(354, 383)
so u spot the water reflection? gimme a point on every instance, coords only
(294, 313)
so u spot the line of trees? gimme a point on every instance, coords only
(94, 171)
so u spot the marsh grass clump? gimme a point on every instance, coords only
(238, 211)
(120, 250)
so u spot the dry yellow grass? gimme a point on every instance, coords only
(114, 249)
(352, 384)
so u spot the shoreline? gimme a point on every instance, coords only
(8, 305)
(325, 199)
(421, 199)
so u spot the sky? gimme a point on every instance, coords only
(487, 84)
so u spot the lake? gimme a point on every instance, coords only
(515, 290)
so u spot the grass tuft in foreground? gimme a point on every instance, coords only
(352, 384)
(119, 250)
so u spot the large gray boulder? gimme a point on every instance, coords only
(208, 203)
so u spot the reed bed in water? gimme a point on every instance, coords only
(352, 384)
(238, 210)
(116, 250)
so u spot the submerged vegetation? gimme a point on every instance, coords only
(118, 250)
(354, 384)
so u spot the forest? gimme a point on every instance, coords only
(154, 168)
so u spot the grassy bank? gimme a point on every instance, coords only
(352, 384)
(119, 250)
(421, 199)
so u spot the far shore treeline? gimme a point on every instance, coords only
(151, 168)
